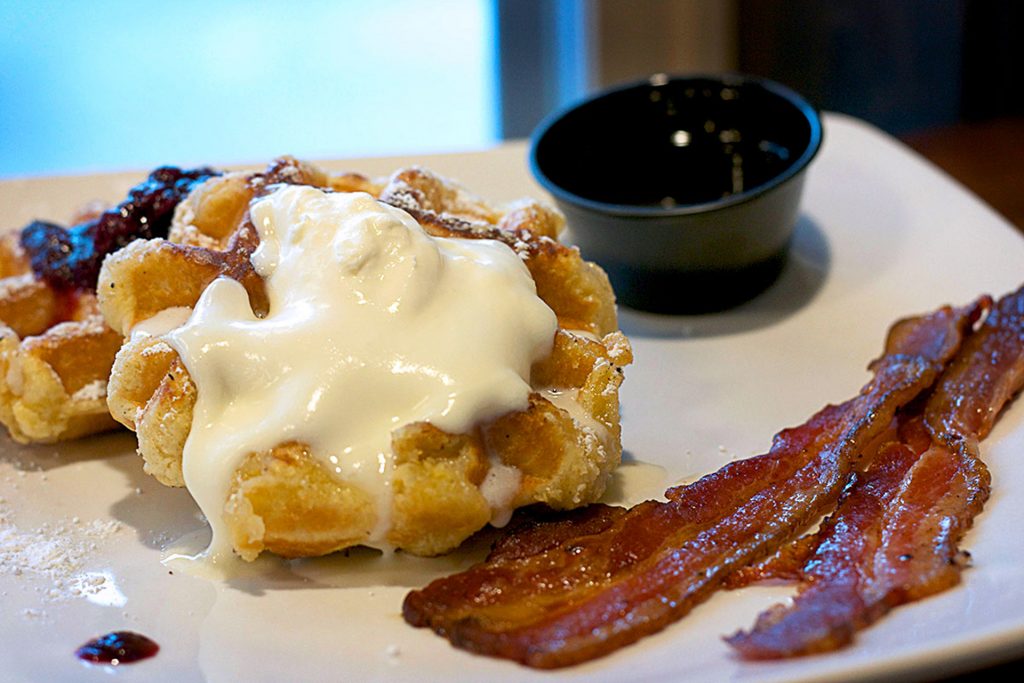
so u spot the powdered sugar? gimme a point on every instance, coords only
(59, 553)
(92, 391)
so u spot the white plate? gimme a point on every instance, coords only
(882, 235)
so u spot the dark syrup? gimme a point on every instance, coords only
(116, 648)
(672, 146)
(681, 164)
(704, 170)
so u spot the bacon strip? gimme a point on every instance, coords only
(894, 539)
(831, 607)
(575, 597)
(984, 376)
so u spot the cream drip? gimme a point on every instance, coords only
(161, 323)
(568, 401)
(373, 324)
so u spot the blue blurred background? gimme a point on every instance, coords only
(111, 84)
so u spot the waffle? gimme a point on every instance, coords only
(283, 500)
(56, 350)
(55, 354)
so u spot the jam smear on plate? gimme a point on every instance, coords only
(117, 647)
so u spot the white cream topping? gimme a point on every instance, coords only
(499, 489)
(373, 324)
(568, 401)
(161, 323)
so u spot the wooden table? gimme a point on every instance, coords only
(987, 157)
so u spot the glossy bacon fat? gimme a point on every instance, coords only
(894, 538)
(551, 596)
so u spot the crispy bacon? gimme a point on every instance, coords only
(787, 564)
(894, 539)
(831, 607)
(983, 377)
(570, 597)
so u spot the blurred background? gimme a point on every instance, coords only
(112, 84)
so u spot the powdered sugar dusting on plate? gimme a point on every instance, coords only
(57, 552)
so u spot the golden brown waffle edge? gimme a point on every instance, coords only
(55, 355)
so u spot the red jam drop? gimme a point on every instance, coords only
(119, 647)
(70, 258)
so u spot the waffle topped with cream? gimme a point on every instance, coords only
(330, 361)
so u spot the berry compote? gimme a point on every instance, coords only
(71, 258)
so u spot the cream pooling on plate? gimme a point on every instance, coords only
(373, 324)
